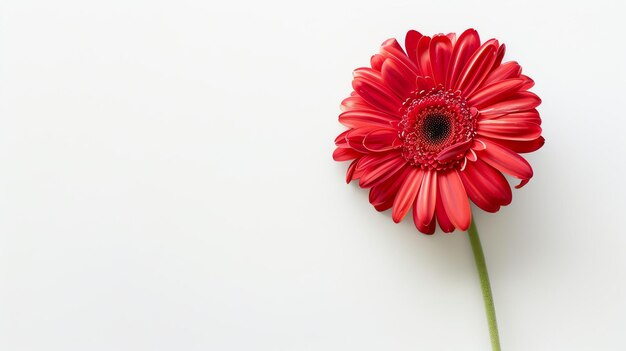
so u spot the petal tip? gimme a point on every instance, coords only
(522, 183)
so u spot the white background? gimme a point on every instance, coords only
(167, 183)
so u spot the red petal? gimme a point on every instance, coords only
(505, 71)
(366, 118)
(383, 194)
(455, 200)
(354, 138)
(442, 217)
(373, 160)
(355, 103)
(406, 194)
(531, 116)
(410, 44)
(465, 46)
(428, 228)
(423, 57)
(495, 92)
(477, 196)
(350, 172)
(523, 147)
(452, 37)
(399, 78)
(520, 101)
(478, 145)
(506, 161)
(529, 82)
(357, 173)
(381, 171)
(499, 57)
(392, 43)
(345, 154)
(380, 140)
(369, 85)
(341, 141)
(453, 151)
(440, 52)
(377, 62)
(424, 208)
(477, 68)
(509, 130)
(391, 49)
(471, 155)
(487, 187)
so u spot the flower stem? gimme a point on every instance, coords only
(485, 286)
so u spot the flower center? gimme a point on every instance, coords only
(432, 121)
(435, 128)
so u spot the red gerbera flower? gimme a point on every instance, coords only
(436, 124)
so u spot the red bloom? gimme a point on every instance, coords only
(437, 124)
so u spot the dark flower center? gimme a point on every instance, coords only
(432, 121)
(435, 128)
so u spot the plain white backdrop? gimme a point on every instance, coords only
(167, 183)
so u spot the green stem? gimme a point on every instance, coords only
(485, 286)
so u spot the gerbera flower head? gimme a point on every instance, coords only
(436, 124)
